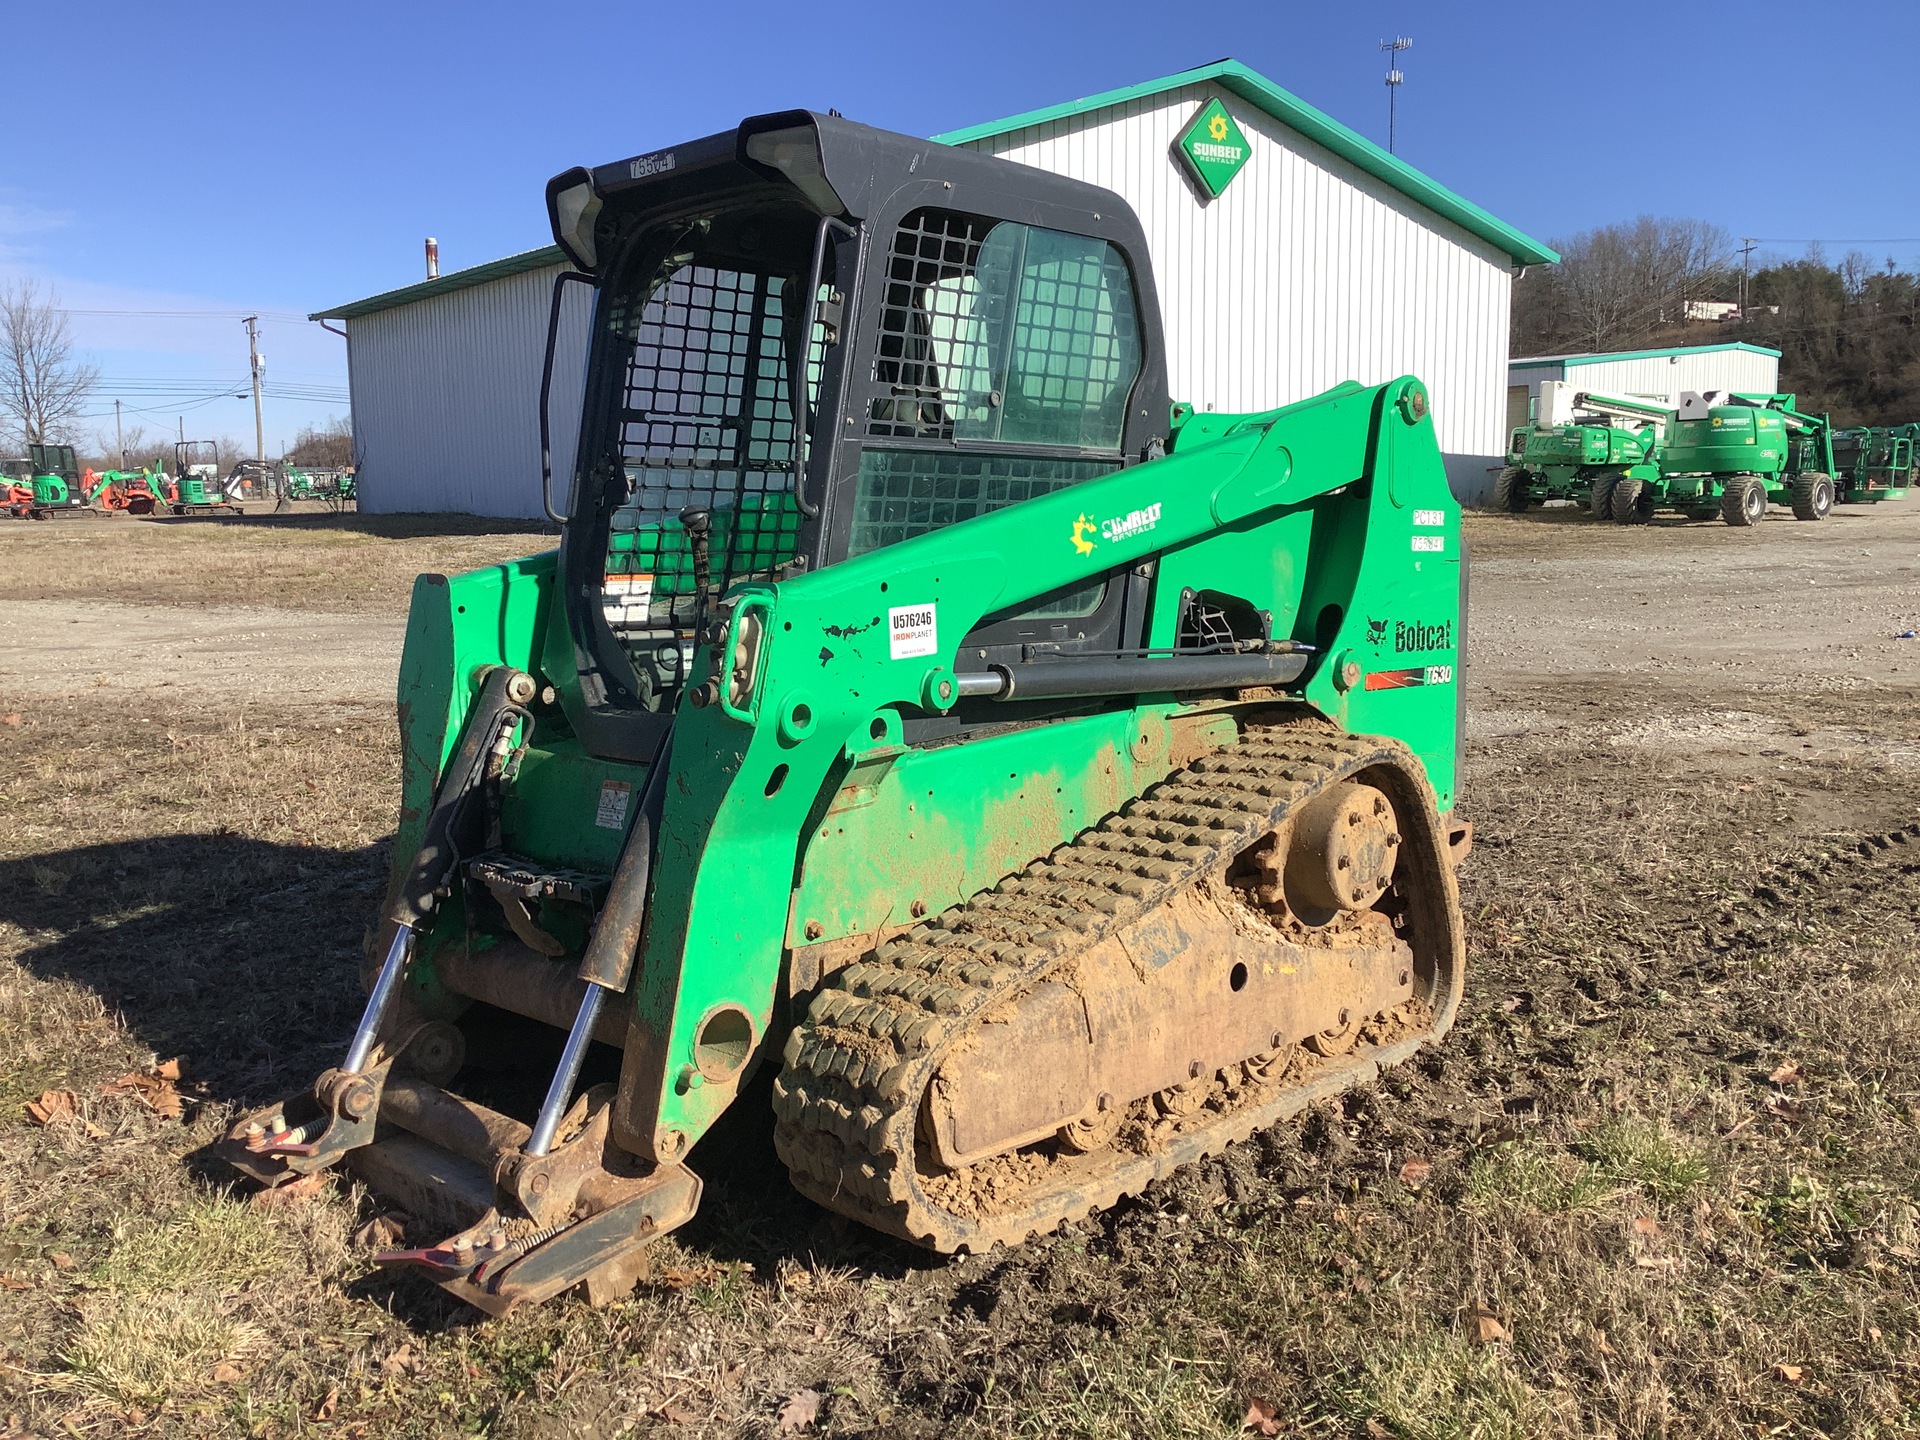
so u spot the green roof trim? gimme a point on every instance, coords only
(1606, 357)
(447, 284)
(1297, 115)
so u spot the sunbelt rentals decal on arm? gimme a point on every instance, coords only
(1088, 531)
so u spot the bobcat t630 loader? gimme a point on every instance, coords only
(1048, 782)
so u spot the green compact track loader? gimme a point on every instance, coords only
(1037, 784)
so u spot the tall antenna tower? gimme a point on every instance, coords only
(1395, 79)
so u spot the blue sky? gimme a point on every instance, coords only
(172, 168)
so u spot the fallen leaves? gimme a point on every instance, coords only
(61, 1107)
(383, 1232)
(1792, 1374)
(324, 1410)
(403, 1360)
(1414, 1173)
(1487, 1329)
(1788, 1073)
(1262, 1418)
(154, 1087)
(685, 1277)
(10, 720)
(227, 1373)
(294, 1192)
(800, 1411)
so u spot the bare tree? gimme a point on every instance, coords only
(42, 385)
(329, 443)
(1618, 284)
(135, 446)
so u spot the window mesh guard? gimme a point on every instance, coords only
(704, 423)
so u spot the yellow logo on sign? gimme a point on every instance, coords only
(1217, 127)
(1082, 528)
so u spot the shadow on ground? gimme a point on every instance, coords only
(242, 958)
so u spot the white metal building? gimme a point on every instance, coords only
(1326, 259)
(1651, 374)
(445, 380)
(1321, 258)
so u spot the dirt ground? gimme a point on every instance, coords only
(1663, 1178)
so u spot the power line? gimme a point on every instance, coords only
(287, 317)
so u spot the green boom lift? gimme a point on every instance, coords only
(1731, 455)
(1578, 461)
(1038, 785)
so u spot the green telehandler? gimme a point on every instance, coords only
(1032, 784)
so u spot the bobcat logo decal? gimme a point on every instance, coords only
(1376, 631)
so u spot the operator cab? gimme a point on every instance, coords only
(971, 333)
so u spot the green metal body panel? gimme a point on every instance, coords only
(1731, 440)
(1767, 437)
(802, 819)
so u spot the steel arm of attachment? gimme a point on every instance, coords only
(503, 691)
(608, 963)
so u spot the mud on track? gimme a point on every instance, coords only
(1662, 1179)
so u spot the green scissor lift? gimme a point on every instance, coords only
(1873, 463)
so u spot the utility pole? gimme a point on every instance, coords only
(1395, 79)
(119, 437)
(256, 365)
(1747, 242)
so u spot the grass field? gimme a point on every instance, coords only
(1663, 1179)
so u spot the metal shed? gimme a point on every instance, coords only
(1657, 374)
(1290, 253)
(445, 381)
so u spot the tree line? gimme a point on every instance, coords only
(1846, 331)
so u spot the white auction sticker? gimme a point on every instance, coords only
(1429, 517)
(1434, 543)
(912, 630)
(614, 795)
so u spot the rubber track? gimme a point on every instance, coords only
(856, 1068)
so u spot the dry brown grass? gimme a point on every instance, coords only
(317, 562)
(1670, 1242)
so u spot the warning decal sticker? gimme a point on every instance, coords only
(614, 795)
